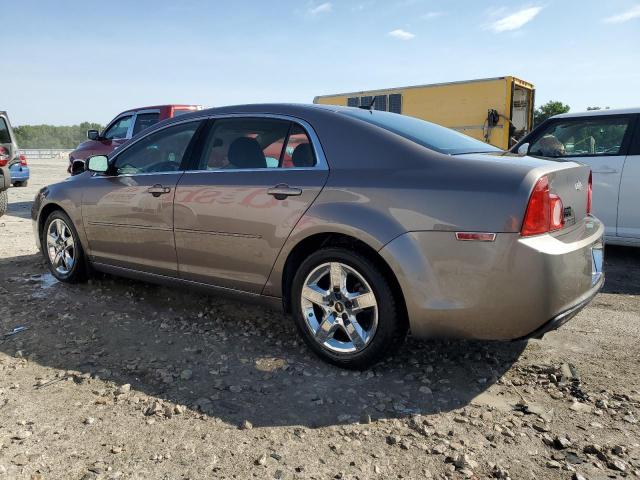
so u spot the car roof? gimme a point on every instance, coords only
(596, 113)
(158, 107)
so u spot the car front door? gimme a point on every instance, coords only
(629, 205)
(118, 132)
(128, 213)
(254, 179)
(600, 141)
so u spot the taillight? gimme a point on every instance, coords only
(4, 157)
(23, 160)
(589, 193)
(545, 211)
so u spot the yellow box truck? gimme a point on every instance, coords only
(496, 110)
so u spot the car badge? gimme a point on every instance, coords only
(578, 185)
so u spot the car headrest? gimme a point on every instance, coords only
(303, 156)
(245, 152)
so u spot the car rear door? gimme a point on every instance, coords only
(128, 214)
(600, 141)
(629, 203)
(236, 208)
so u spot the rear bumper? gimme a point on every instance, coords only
(562, 318)
(502, 290)
(19, 174)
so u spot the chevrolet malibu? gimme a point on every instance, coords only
(361, 224)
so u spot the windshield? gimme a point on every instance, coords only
(427, 134)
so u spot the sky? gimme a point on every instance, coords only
(65, 62)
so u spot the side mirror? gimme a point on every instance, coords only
(93, 134)
(523, 149)
(98, 164)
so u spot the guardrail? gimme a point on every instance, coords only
(42, 153)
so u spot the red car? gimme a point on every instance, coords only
(120, 129)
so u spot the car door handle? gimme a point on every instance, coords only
(606, 170)
(282, 191)
(158, 190)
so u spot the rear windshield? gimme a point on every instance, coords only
(4, 132)
(427, 134)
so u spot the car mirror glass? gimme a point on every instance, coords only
(98, 164)
(93, 134)
(523, 149)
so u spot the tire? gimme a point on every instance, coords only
(64, 270)
(4, 202)
(383, 324)
(23, 183)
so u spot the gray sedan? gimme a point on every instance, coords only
(361, 224)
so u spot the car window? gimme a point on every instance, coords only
(244, 143)
(5, 137)
(144, 121)
(427, 134)
(299, 151)
(581, 137)
(119, 129)
(161, 151)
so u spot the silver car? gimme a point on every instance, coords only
(361, 224)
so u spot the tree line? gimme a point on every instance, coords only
(52, 136)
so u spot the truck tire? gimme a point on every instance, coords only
(4, 202)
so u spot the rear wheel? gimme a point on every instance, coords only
(23, 183)
(4, 202)
(62, 249)
(345, 309)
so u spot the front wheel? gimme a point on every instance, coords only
(62, 249)
(345, 309)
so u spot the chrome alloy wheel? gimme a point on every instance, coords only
(61, 247)
(339, 307)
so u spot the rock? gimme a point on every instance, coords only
(630, 419)
(499, 472)
(116, 449)
(393, 439)
(425, 390)
(246, 425)
(154, 409)
(553, 464)
(186, 374)
(581, 407)
(179, 409)
(460, 419)
(561, 443)
(617, 464)
(578, 476)
(20, 460)
(463, 461)
(22, 435)
(261, 460)
(89, 421)
(123, 389)
(618, 450)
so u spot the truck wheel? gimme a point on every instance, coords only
(23, 183)
(4, 202)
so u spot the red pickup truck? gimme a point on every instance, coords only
(120, 129)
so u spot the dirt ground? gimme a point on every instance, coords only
(118, 379)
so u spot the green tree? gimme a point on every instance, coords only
(51, 136)
(549, 109)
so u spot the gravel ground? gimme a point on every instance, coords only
(118, 379)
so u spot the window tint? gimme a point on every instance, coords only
(161, 151)
(244, 143)
(430, 135)
(144, 121)
(299, 152)
(119, 129)
(581, 137)
(4, 132)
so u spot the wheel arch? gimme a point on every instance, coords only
(333, 239)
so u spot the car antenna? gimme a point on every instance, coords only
(370, 106)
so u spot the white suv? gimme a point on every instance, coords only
(609, 142)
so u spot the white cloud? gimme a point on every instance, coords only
(515, 20)
(401, 34)
(322, 8)
(633, 12)
(431, 15)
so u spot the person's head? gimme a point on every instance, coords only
(550, 146)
